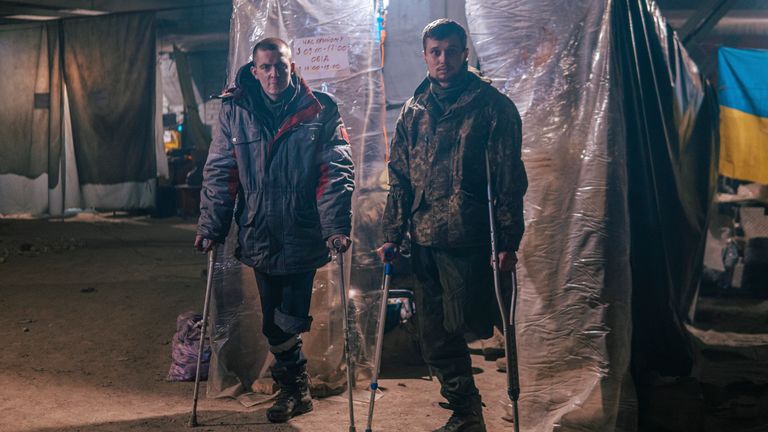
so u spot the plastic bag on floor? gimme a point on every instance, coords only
(186, 342)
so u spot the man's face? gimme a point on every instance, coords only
(273, 70)
(445, 59)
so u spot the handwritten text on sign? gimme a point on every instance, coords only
(321, 56)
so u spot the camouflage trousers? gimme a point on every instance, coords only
(454, 293)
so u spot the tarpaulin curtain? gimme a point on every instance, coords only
(619, 143)
(109, 67)
(110, 158)
(672, 143)
(198, 137)
(30, 116)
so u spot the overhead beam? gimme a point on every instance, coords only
(13, 9)
(703, 20)
(112, 6)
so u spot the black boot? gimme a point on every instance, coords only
(464, 418)
(294, 398)
(464, 422)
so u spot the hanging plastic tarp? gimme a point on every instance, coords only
(619, 145)
(352, 75)
(671, 118)
(743, 89)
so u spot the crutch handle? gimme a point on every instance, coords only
(389, 255)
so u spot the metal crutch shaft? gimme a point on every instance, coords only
(508, 319)
(510, 340)
(203, 326)
(379, 339)
(343, 290)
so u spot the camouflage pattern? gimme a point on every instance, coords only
(437, 170)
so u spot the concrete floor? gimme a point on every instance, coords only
(88, 307)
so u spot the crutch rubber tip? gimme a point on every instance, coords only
(192, 422)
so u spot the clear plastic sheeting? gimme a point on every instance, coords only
(240, 352)
(552, 58)
(618, 144)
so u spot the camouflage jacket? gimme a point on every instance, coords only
(437, 173)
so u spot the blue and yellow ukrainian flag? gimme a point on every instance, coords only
(744, 114)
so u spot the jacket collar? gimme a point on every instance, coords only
(472, 94)
(248, 93)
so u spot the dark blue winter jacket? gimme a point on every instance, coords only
(289, 189)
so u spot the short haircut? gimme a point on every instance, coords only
(272, 44)
(442, 29)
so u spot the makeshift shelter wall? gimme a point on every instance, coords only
(672, 140)
(171, 85)
(30, 117)
(111, 159)
(553, 59)
(619, 147)
(111, 85)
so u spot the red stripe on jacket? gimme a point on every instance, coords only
(306, 114)
(322, 182)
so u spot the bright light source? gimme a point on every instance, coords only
(32, 17)
(89, 12)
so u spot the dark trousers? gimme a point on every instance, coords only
(285, 301)
(454, 293)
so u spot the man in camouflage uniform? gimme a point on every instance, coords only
(280, 161)
(438, 195)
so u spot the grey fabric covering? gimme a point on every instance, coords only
(197, 136)
(30, 115)
(109, 67)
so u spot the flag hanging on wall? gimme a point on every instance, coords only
(744, 114)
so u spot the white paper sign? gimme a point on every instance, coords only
(321, 56)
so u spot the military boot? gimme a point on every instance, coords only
(464, 422)
(293, 398)
(464, 418)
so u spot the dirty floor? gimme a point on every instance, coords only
(88, 307)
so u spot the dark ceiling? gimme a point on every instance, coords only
(203, 25)
(706, 25)
(192, 25)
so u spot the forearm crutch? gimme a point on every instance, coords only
(508, 319)
(337, 244)
(203, 333)
(379, 337)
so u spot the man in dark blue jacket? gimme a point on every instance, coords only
(280, 161)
